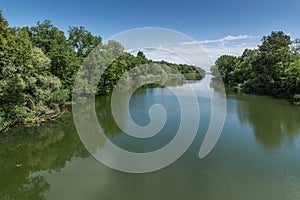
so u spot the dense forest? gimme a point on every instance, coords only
(38, 66)
(271, 69)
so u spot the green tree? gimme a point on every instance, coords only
(292, 79)
(275, 56)
(296, 46)
(225, 65)
(38, 67)
(243, 71)
(272, 69)
(82, 41)
(64, 62)
(141, 57)
(25, 82)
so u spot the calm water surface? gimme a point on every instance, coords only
(257, 156)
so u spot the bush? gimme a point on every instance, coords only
(60, 96)
(296, 99)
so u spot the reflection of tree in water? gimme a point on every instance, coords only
(272, 120)
(46, 147)
(105, 117)
(104, 111)
(216, 84)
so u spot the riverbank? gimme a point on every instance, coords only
(55, 111)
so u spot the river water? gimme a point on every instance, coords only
(256, 157)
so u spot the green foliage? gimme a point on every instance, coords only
(292, 77)
(82, 41)
(38, 66)
(25, 81)
(60, 96)
(296, 46)
(141, 57)
(296, 99)
(127, 62)
(272, 69)
(226, 64)
(64, 62)
(190, 72)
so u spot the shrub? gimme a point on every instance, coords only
(60, 96)
(296, 99)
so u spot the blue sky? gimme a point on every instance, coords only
(214, 23)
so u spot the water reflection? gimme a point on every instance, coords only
(47, 147)
(50, 146)
(274, 121)
(105, 118)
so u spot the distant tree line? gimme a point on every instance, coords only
(38, 66)
(272, 69)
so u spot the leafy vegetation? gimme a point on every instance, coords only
(272, 69)
(38, 66)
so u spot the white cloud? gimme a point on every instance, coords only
(160, 54)
(227, 38)
(236, 50)
(178, 53)
(201, 53)
(230, 45)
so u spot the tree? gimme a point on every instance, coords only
(226, 64)
(141, 57)
(292, 80)
(243, 70)
(82, 41)
(275, 56)
(272, 69)
(3, 35)
(25, 82)
(276, 40)
(296, 46)
(64, 62)
(38, 67)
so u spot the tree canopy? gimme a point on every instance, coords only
(38, 66)
(272, 69)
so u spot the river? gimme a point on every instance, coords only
(256, 157)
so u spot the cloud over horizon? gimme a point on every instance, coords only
(228, 38)
(201, 53)
(229, 45)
